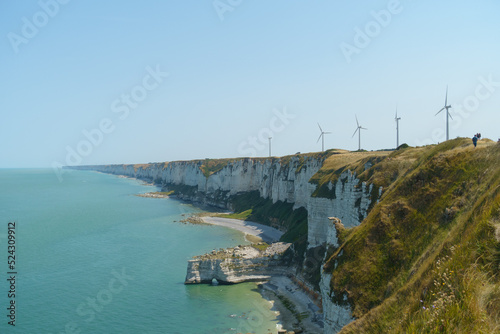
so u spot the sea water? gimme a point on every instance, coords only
(91, 257)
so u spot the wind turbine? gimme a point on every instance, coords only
(397, 127)
(358, 130)
(270, 146)
(322, 137)
(448, 116)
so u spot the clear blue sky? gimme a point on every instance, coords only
(73, 66)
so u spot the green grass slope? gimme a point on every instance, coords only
(427, 257)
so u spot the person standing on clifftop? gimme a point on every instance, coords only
(474, 140)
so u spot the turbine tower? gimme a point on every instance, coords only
(397, 119)
(358, 130)
(322, 137)
(270, 146)
(448, 116)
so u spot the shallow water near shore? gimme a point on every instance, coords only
(93, 258)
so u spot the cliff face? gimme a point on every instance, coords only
(286, 180)
(336, 315)
(350, 203)
(273, 178)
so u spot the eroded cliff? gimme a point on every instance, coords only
(296, 194)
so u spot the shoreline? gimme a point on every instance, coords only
(295, 308)
(296, 311)
(266, 233)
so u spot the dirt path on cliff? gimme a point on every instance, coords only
(266, 233)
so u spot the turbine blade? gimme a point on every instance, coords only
(327, 133)
(319, 137)
(363, 128)
(449, 114)
(446, 98)
(355, 132)
(440, 111)
(320, 129)
(357, 120)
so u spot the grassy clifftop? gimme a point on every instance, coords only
(427, 257)
(211, 166)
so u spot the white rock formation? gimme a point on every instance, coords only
(335, 316)
(350, 205)
(273, 180)
(236, 265)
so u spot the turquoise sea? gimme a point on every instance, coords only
(93, 258)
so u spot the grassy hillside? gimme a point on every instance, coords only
(426, 259)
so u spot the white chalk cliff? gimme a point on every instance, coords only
(276, 180)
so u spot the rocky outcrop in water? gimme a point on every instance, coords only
(237, 265)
